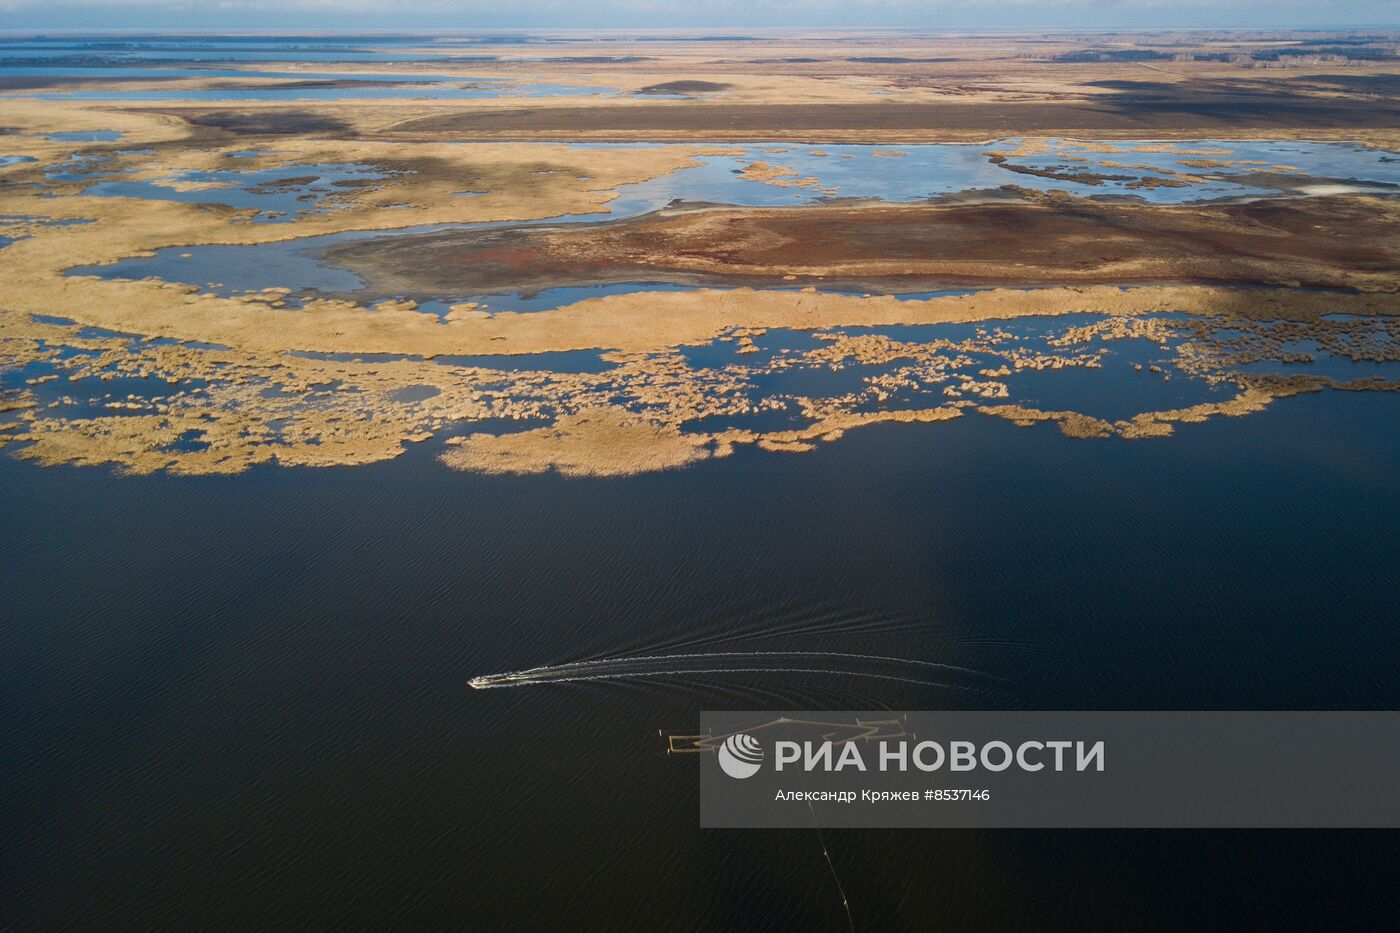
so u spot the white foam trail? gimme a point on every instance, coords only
(726, 662)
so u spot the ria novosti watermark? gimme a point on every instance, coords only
(929, 756)
(1044, 769)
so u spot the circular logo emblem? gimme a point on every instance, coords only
(740, 756)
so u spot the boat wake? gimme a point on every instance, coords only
(835, 663)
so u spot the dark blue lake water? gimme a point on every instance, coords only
(225, 697)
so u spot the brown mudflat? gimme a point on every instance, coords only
(685, 87)
(265, 121)
(1195, 107)
(1143, 106)
(1339, 242)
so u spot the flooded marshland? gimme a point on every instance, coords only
(307, 427)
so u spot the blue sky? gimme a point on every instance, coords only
(664, 14)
